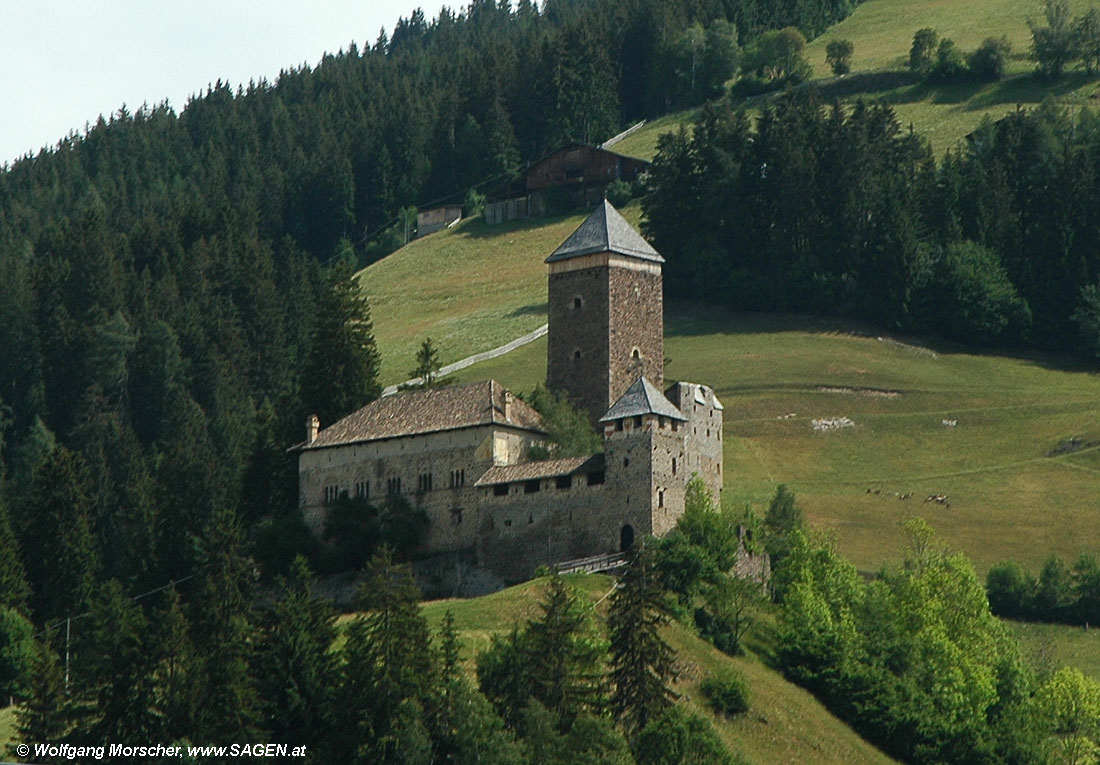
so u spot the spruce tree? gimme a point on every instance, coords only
(341, 372)
(14, 590)
(54, 528)
(641, 661)
(564, 655)
(297, 670)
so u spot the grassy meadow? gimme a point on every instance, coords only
(784, 723)
(469, 289)
(882, 33)
(1049, 646)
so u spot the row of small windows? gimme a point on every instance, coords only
(595, 478)
(393, 486)
(636, 422)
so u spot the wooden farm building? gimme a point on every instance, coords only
(575, 175)
(428, 221)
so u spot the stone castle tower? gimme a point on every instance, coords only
(605, 312)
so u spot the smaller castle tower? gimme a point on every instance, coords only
(606, 314)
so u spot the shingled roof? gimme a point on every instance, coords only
(605, 230)
(429, 411)
(528, 471)
(642, 398)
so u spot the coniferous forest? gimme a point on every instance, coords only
(176, 295)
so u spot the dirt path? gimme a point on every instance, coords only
(469, 361)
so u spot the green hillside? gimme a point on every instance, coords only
(784, 724)
(882, 32)
(470, 288)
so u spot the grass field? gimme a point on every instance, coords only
(469, 289)
(644, 142)
(784, 724)
(1049, 646)
(882, 32)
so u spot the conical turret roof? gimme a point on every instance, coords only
(642, 398)
(605, 230)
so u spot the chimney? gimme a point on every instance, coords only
(313, 424)
(508, 405)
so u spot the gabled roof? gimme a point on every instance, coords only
(642, 398)
(429, 411)
(528, 471)
(605, 230)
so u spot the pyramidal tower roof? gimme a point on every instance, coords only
(642, 398)
(605, 230)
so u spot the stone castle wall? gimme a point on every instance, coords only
(635, 327)
(367, 469)
(577, 347)
(703, 439)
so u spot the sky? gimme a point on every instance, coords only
(65, 62)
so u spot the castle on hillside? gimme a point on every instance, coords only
(461, 452)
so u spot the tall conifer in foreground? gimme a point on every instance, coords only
(641, 661)
(341, 372)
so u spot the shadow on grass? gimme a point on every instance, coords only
(534, 309)
(479, 229)
(978, 96)
(683, 319)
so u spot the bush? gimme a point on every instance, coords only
(921, 54)
(680, 737)
(727, 692)
(950, 63)
(988, 61)
(619, 192)
(968, 296)
(474, 203)
(838, 55)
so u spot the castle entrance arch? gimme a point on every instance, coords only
(626, 538)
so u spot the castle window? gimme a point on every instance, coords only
(636, 354)
(577, 302)
(456, 515)
(675, 426)
(661, 498)
(577, 353)
(626, 462)
(393, 486)
(637, 422)
(425, 482)
(500, 490)
(674, 466)
(508, 524)
(530, 487)
(362, 489)
(564, 482)
(618, 424)
(595, 478)
(331, 494)
(458, 479)
(662, 423)
(530, 519)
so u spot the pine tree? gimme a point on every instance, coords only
(564, 655)
(297, 670)
(341, 373)
(223, 628)
(54, 529)
(14, 591)
(44, 715)
(641, 661)
(389, 678)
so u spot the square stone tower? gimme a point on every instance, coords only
(606, 312)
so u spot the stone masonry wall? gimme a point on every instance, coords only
(635, 328)
(577, 348)
(703, 440)
(452, 510)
